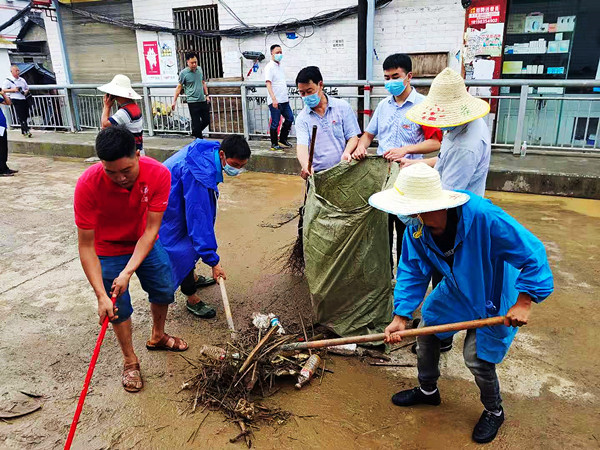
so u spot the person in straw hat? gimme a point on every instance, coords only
(464, 158)
(128, 114)
(492, 266)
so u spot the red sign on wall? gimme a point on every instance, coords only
(484, 14)
(151, 58)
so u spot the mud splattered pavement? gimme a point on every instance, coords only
(550, 384)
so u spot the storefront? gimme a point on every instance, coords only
(539, 40)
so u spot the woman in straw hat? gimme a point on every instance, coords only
(492, 266)
(464, 158)
(128, 114)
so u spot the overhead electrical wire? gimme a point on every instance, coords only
(16, 17)
(318, 20)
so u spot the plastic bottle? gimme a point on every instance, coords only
(523, 149)
(308, 370)
(275, 322)
(213, 352)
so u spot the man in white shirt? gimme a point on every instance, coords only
(17, 90)
(278, 101)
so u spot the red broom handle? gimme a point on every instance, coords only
(86, 383)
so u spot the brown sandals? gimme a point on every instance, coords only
(132, 377)
(163, 344)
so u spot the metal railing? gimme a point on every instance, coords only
(540, 113)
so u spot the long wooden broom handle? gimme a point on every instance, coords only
(436, 329)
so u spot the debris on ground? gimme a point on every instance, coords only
(18, 404)
(237, 377)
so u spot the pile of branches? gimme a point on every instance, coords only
(249, 372)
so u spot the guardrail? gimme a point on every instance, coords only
(531, 114)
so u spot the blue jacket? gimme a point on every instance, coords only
(495, 259)
(188, 226)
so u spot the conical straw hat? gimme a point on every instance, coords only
(417, 189)
(448, 103)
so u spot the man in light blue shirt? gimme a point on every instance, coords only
(398, 137)
(337, 126)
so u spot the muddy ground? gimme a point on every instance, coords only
(49, 326)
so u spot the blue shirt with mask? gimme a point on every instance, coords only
(187, 231)
(392, 128)
(337, 126)
(495, 258)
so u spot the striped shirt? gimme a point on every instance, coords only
(394, 130)
(130, 115)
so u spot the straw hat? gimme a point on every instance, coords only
(417, 189)
(448, 103)
(120, 86)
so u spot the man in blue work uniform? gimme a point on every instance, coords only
(492, 266)
(187, 231)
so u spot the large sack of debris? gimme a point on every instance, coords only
(346, 248)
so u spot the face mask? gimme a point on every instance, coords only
(447, 128)
(395, 87)
(231, 171)
(413, 222)
(410, 221)
(312, 100)
(278, 57)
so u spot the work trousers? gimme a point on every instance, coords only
(188, 285)
(283, 109)
(398, 225)
(4, 152)
(428, 359)
(22, 109)
(200, 114)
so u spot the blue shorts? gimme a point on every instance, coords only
(154, 274)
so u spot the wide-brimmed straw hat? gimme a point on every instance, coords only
(120, 86)
(448, 103)
(417, 189)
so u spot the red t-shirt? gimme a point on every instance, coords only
(117, 215)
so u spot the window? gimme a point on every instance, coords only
(585, 130)
(203, 18)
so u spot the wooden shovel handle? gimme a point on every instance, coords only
(226, 305)
(436, 329)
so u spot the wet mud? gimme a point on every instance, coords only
(49, 326)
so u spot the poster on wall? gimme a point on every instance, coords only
(160, 61)
(480, 15)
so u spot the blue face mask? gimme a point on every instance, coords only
(395, 87)
(312, 100)
(447, 128)
(231, 171)
(278, 57)
(410, 221)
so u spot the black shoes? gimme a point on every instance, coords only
(6, 174)
(411, 397)
(487, 428)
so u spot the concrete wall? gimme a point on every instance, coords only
(412, 26)
(56, 51)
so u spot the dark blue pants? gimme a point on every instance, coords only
(285, 110)
(154, 274)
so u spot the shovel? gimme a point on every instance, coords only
(436, 329)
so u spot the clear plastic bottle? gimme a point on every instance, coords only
(308, 370)
(213, 352)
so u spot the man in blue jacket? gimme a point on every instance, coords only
(492, 266)
(188, 227)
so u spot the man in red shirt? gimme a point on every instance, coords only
(119, 205)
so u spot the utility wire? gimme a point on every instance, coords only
(236, 32)
(16, 17)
